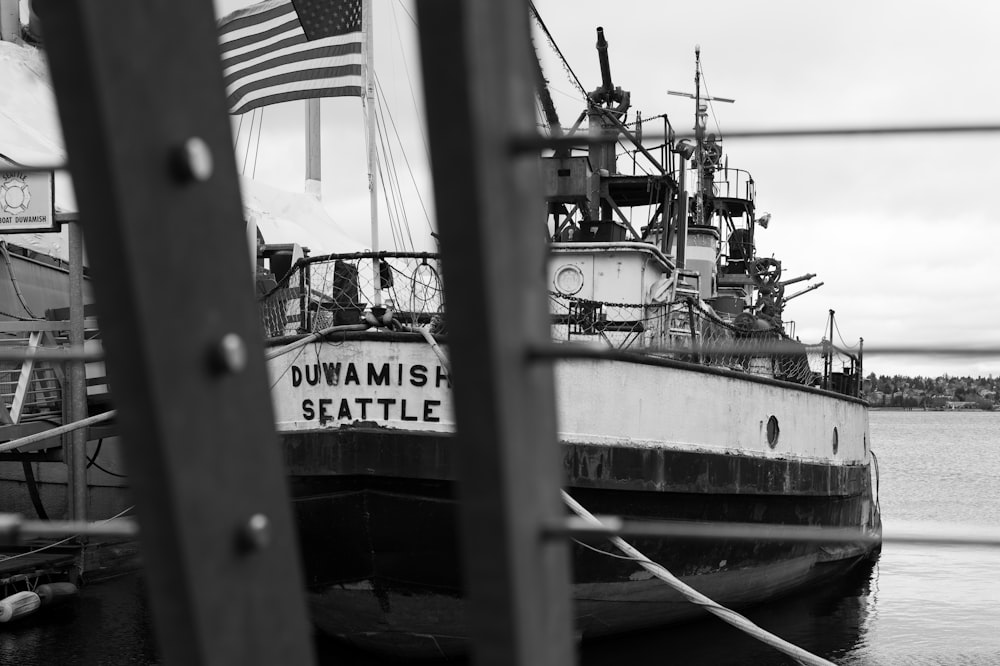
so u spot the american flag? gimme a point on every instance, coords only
(280, 50)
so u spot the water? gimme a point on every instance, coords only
(919, 605)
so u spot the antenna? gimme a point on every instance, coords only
(700, 115)
(707, 99)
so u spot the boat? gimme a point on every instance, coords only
(36, 279)
(694, 402)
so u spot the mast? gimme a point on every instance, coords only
(313, 148)
(369, 105)
(700, 116)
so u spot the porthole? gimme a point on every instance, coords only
(773, 431)
(836, 440)
(568, 280)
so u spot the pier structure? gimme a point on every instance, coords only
(188, 367)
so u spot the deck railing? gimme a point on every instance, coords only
(342, 290)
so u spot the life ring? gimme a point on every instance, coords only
(14, 195)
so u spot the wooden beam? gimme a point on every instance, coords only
(24, 380)
(479, 96)
(150, 151)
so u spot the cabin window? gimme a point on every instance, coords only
(836, 440)
(773, 431)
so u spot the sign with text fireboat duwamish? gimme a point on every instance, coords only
(26, 202)
(388, 383)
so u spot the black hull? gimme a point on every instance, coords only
(377, 519)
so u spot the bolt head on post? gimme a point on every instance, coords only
(193, 160)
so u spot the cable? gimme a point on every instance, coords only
(708, 96)
(725, 614)
(401, 223)
(12, 161)
(66, 540)
(256, 148)
(555, 47)
(246, 154)
(36, 499)
(407, 12)
(92, 462)
(380, 91)
(409, 78)
(389, 176)
(239, 131)
(390, 209)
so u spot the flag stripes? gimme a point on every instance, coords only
(267, 59)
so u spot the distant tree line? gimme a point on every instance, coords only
(931, 392)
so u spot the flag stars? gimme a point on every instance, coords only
(328, 18)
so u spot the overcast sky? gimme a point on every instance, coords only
(901, 230)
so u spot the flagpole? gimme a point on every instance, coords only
(369, 104)
(313, 149)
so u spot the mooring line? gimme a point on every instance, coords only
(696, 597)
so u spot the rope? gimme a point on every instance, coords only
(434, 346)
(312, 337)
(67, 539)
(726, 615)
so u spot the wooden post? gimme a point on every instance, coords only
(491, 213)
(151, 155)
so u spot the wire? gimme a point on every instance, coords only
(708, 96)
(13, 162)
(92, 461)
(627, 558)
(256, 148)
(385, 103)
(36, 498)
(555, 47)
(66, 540)
(393, 176)
(239, 131)
(246, 154)
(409, 79)
(407, 12)
(390, 182)
(388, 192)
